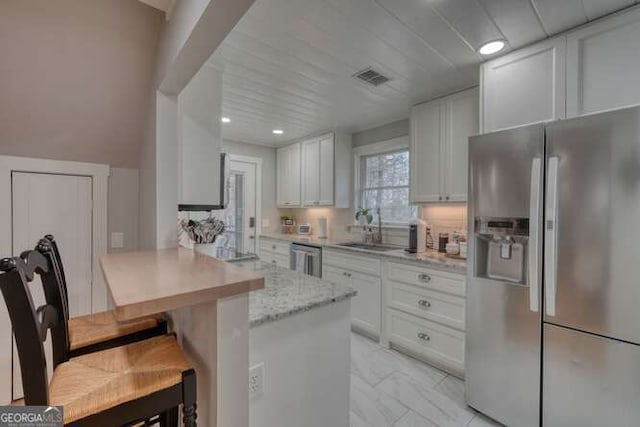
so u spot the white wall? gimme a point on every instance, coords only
(381, 133)
(75, 77)
(306, 369)
(268, 156)
(123, 194)
(195, 30)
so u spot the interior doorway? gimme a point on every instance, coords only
(242, 216)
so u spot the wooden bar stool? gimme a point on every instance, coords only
(141, 382)
(99, 331)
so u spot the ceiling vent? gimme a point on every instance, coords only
(371, 76)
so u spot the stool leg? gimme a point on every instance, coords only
(170, 417)
(189, 398)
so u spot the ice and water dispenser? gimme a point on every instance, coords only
(500, 248)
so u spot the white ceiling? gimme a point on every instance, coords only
(288, 64)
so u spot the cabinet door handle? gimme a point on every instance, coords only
(424, 278)
(424, 303)
(273, 247)
(440, 198)
(423, 336)
(447, 197)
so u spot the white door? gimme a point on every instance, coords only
(311, 172)
(426, 126)
(462, 122)
(326, 170)
(289, 176)
(603, 65)
(60, 205)
(523, 87)
(365, 307)
(242, 206)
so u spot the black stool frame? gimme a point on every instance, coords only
(31, 326)
(160, 329)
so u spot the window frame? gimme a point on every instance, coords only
(379, 148)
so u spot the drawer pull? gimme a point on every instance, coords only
(424, 278)
(423, 336)
(424, 303)
(273, 247)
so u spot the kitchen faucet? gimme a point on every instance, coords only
(377, 236)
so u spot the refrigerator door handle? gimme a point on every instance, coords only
(551, 238)
(534, 233)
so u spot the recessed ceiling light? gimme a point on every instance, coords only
(491, 47)
(278, 131)
(225, 120)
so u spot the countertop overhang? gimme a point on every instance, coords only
(150, 282)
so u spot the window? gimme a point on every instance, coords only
(384, 182)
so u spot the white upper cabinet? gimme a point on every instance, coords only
(289, 176)
(523, 87)
(603, 64)
(440, 131)
(311, 172)
(326, 185)
(461, 122)
(425, 143)
(317, 171)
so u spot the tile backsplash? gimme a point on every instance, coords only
(443, 218)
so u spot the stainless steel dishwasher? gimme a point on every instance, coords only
(306, 259)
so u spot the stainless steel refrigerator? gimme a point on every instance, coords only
(553, 290)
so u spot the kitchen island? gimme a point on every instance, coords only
(208, 304)
(299, 338)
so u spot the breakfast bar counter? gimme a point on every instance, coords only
(150, 282)
(207, 301)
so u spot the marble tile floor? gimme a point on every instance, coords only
(391, 389)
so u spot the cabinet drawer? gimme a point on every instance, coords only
(276, 246)
(441, 345)
(363, 264)
(428, 304)
(275, 258)
(427, 278)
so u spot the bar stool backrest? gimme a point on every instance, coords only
(30, 324)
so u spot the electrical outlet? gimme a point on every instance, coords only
(256, 381)
(117, 240)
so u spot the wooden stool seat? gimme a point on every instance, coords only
(92, 383)
(91, 329)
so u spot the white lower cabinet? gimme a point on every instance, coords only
(417, 310)
(437, 344)
(275, 252)
(425, 314)
(363, 275)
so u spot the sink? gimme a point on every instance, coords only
(369, 246)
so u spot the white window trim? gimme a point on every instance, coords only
(395, 144)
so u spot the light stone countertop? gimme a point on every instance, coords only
(150, 282)
(288, 292)
(431, 258)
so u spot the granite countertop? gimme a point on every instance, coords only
(430, 258)
(288, 292)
